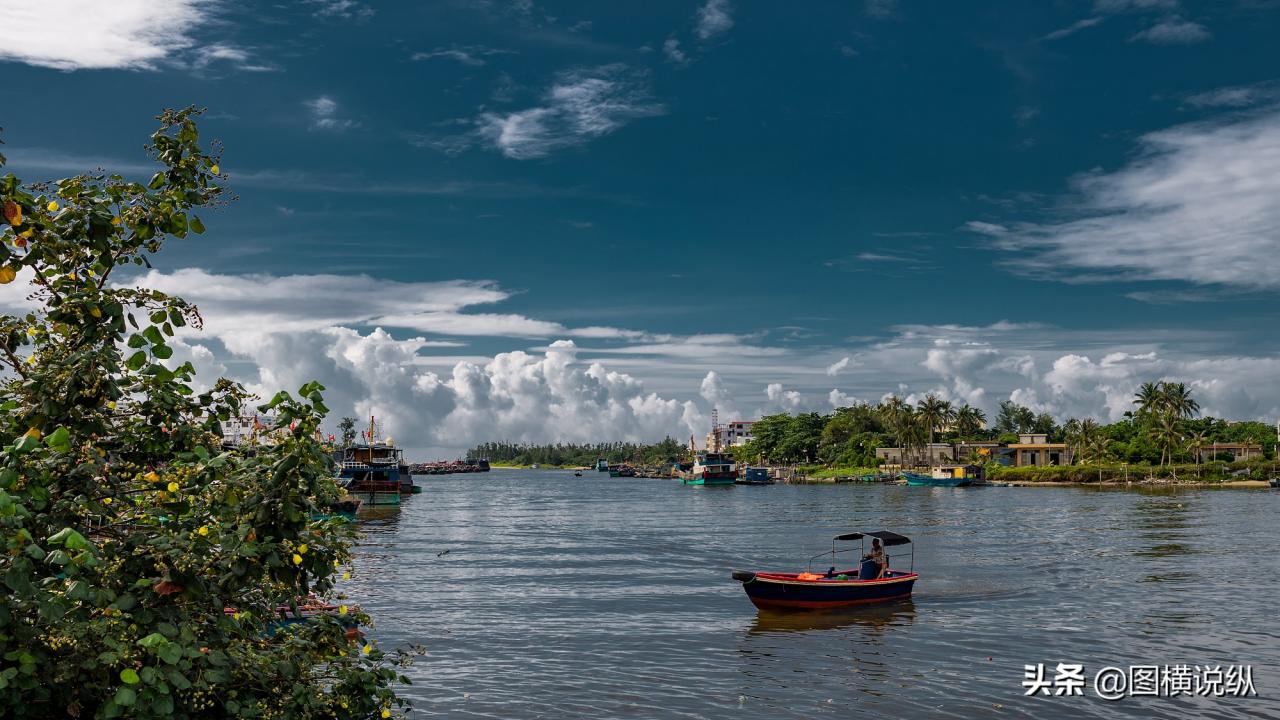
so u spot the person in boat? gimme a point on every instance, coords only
(878, 557)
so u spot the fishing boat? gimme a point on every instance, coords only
(834, 588)
(602, 465)
(755, 476)
(310, 609)
(711, 468)
(622, 471)
(370, 469)
(930, 481)
(346, 508)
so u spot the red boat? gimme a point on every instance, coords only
(834, 588)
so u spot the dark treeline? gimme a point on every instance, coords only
(575, 455)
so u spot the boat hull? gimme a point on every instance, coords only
(730, 480)
(782, 591)
(380, 497)
(928, 481)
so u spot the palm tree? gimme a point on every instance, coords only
(933, 411)
(1166, 436)
(1149, 398)
(1177, 401)
(969, 420)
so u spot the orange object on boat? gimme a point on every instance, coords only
(808, 576)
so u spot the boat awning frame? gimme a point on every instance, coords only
(885, 536)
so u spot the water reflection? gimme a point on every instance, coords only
(877, 618)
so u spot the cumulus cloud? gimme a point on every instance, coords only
(671, 49)
(714, 18)
(324, 115)
(834, 368)
(1238, 96)
(87, 34)
(1197, 205)
(583, 104)
(1174, 31)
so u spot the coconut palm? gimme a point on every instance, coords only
(1176, 400)
(933, 412)
(969, 420)
(1149, 398)
(1164, 432)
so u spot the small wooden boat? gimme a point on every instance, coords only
(622, 471)
(577, 473)
(832, 589)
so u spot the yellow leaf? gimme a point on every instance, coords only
(386, 713)
(346, 576)
(203, 531)
(302, 548)
(94, 311)
(342, 609)
(151, 476)
(215, 170)
(115, 220)
(7, 275)
(13, 213)
(366, 649)
(297, 559)
(53, 206)
(111, 404)
(33, 432)
(173, 487)
(106, 501)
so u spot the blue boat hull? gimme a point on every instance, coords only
(928, 481)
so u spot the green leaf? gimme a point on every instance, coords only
(196, 225)
(136, 361)
(152, 334)
(153, 640)
(157, 181)
(163, 352)
(129, 676)
(171, 653)
(136, 341)
(125, 697)
(58, 439)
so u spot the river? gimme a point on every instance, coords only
(598, 597)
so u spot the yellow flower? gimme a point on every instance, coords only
(115, 220)
(335, 563)
(204, 531)
(31, 360)
(31, 332)
(173, 487)
(28, 232)
(302, 549)
(367, 649)
(344, 704)
(342, 609)
(297, 559)
(71, 275)
(346, 576)
(386, 713)
(53, 206)
(106, 501)
(111, 404)
(235, 616)
(215, 170)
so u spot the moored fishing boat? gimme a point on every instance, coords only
(834, 588)
(622, 471)
(602, 465)
(930, 481)
(370, 469)
(711, 468)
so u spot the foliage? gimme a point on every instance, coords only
(127, 530)
(579, 455)
(346, 432)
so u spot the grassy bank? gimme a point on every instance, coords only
(1214, 472)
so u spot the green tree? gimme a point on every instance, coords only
(347, 431)
(969, 421)
(127, 530)
(933, 412)
(1014, 418)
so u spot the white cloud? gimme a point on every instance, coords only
(1119, 6)
(1074, 28)
(237, 57)
(1174, 31)
(837, 399)
(90, 34)
(342, 9)
(324, 115)
(473, 55)
(671, 49)
(1236, 97)
(714, 18)
(834, 368)
(582, 105)
(716, 395)
(1197, 205)
(781, 399)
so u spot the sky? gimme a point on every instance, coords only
(536, 221)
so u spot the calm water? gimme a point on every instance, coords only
(611, 598)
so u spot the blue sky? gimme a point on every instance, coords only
(488, 219)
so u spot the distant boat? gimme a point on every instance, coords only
(577, 473)
(602, 465)
(755, 476)
(711, 469)
(622, 471)
(533, 466)
(370, 470)
(1275, 482)
(930, 481)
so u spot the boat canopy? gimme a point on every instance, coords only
(888, 538)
